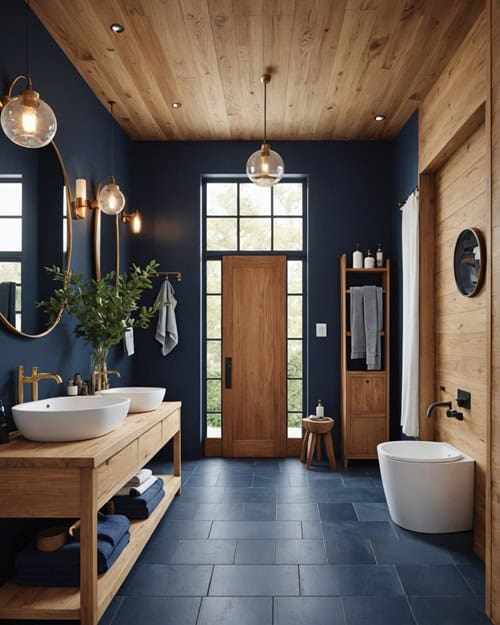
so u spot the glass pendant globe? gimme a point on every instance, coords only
(111, 200)
(28, 121)
(265, 167)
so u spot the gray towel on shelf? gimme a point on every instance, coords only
(166, 328)
(8, 301)
(358, 339)
(373, 317)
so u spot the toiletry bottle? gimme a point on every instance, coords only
(71, 388)
(357, 258)
(320, 409)
(380, 256)
(369, 260)
(84, 389)
(4, 426)
(78, 381)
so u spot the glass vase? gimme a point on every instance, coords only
(98, 367)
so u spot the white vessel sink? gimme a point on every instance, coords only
(142, 398)
(70, 418)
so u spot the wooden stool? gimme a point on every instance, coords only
(314, 432)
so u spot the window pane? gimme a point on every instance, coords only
(254, 200)
(11, 199)
(10, 272)
(295, 316)
(221, 198)
(255, 234)
(288, 198)
(288, 233)
(295, 359)
(11, 235)
(18, 298)
(294, 425)
(214, 276)
(214, 396)
(221, 234)
(214, 317)
(295, 395)
(214, 354)
(18, 321)
(294, 276)
(214, 420)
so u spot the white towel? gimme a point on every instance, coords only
(139, 478)
(137, 490)
(166, 328)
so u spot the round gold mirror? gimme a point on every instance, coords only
(35, 232)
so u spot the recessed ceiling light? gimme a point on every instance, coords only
(176, 105)
(379, 118)
(117, 28)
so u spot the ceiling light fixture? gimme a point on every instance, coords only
(176, 105)
(27, 120)
(379, 118)
(109, 197)
(265, 167)
(117, 28)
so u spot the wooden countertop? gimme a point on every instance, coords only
(90, 453)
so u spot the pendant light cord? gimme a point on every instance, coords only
(28, 69)
(265, 113)
(111, 139)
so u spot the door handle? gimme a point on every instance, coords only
(228, 374)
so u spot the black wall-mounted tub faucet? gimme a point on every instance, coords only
(437, 404)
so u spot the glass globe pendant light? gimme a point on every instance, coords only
(27, 120)
(110, 199)
(265, 167)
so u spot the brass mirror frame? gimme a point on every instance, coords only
(482, 260)
(69, 250)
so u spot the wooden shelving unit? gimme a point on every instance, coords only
(365, 394)
(82, 476)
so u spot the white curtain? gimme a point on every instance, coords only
(409, 383)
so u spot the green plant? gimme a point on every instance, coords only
(104, 308)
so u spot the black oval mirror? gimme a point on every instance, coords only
(469, 261)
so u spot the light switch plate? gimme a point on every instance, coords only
(321, 330)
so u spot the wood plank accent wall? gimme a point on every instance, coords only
(461, 348)
(493, 548)
(453, 168)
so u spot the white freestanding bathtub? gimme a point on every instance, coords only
(429, 486)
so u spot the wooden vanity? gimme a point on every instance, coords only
(75, 480)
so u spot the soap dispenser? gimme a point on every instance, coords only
(357, 258)
(320, 409)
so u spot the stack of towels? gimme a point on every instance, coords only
(62, 567)
(140, 496)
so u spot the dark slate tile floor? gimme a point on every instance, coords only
(265, 542)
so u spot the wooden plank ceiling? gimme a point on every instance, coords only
(335, 63)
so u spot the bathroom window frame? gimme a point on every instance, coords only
(15, 256)
(207, 255)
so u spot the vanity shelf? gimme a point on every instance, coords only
(82, 477)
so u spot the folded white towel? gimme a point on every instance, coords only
(137, 490)
(139, 478)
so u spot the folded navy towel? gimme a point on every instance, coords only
(112, 528)
(31, 573)
(138, 507)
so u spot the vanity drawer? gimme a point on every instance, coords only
(170, 426)
(116, 471)
(149, 443)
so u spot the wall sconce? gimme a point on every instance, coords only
(134, 219)
(80, 203)
(27, 120)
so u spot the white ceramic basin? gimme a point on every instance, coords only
(70, 418)
(142, 398)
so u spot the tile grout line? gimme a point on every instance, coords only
(474, 593)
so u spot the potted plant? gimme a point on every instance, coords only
(104, 309)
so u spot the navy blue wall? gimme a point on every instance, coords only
(405, 180)
(82, 137)
(350, 199)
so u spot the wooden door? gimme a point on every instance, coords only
(254, 356)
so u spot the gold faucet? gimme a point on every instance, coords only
(100, 380)
(32, 379)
